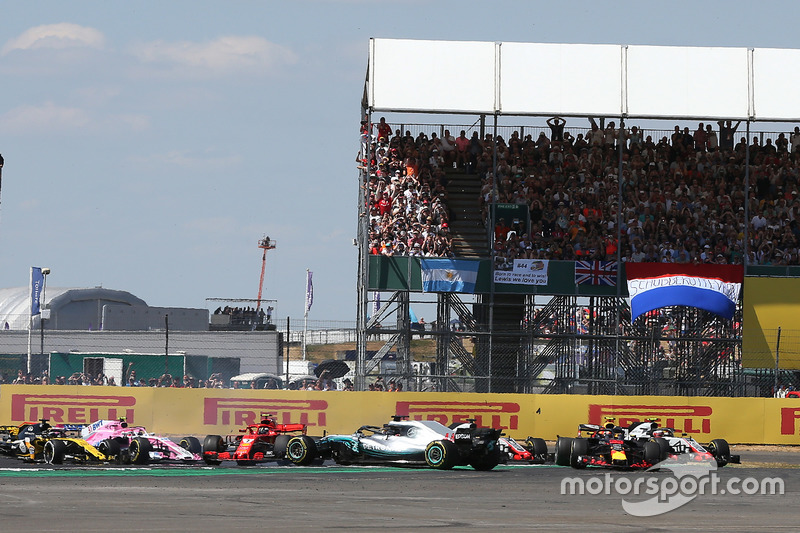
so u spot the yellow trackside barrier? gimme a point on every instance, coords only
(220, 411)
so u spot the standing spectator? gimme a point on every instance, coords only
(610, 135)
(556, 128)
(635, 138)
(475, 150)
(781, 143)
(462, 150)
(595, 136)
(794, 139)
(448, 143)
(726, 133)
(384, 131)
(700, 138)
(711, 139)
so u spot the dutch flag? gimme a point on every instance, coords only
(714, 288)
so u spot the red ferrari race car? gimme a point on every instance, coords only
(258, 443)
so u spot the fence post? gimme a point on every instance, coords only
(166, 344)
(777, 361)
(288, 342)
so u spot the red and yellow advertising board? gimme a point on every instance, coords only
(221, 411)
(771, 304)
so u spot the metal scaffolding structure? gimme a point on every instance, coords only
(561, 345)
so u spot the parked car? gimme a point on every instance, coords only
(257, 380)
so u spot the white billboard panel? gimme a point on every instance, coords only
(671, 81)
(560, 79)
(702, 83)
(436, 76)
(776, 83)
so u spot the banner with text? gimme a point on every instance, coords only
(524, 272)
(200, 412)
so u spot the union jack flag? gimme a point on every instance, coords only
(596, 273)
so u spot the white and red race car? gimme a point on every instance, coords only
(534, 451)
(641, 445)
(718, 449)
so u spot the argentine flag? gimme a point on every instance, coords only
(449, 275)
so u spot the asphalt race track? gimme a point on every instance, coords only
(329, 497)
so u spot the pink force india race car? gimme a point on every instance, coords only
(133, 444)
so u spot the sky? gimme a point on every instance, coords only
(149, 145)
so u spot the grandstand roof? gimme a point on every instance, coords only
(546, 79)
(15, 302)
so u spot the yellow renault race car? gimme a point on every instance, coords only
(41, 442)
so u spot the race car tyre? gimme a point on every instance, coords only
(214, 444)
(652, 452)
(191, 445)
(441, 454)
(109, 448)
(563, 449)
(301, 450)
(279, 448)
(721, 451)
(579, 447)
(538, 447)
(140, 449)
(54, 452)
(664, 447)
(488, 461)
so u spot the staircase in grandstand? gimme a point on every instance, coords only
(466, 226)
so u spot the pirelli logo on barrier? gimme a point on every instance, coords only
(69, 409)
(790, 420)
(244, 411)
(681, 418)
(499, 415)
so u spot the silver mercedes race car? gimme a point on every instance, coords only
(404, 443)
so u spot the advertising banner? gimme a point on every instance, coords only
(770, 304)
(201, 412)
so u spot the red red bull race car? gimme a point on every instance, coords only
(258, 443)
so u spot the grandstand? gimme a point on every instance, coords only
(598, 185)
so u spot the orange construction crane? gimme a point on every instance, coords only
(264, 244)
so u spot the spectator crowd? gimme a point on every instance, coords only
(682, 196)
(407, 195)
(246, 315)
(214, 381)
(130, 379)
